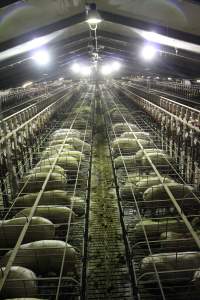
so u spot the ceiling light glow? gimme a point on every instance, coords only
(86, 71)
(41, 57)
(94, 21)
(93, 16)
(116, 66)
(75, 68)
(106, 70)
(155, 37)
(148, 52)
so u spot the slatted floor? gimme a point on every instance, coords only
(108, 276)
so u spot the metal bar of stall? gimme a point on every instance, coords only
(6, 141)
(83, 295)
(85, 136)
(26, 113)
(172, 198)
(72, 205)
(170, 164)
(138, 212)
(51, 106)
(172, 123)
(143, 100)
(33, 209)
(175, 89)
(161, 100)
(127, 245)
(136, 203)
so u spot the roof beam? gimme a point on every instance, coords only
(44, 30)
(4, 3)
(107, 16)
(150, 26)
(117, 36)
(53, 47)
(193, 2)
(130, 42)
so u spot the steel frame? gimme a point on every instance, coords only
(74, 231)
(180, 128)
(133, 211)
(19, 135)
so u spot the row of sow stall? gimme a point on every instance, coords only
(51, 202)
(160, 210)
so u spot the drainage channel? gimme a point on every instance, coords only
(107, 272)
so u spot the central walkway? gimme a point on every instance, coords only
(107, 269)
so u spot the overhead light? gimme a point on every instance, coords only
(106, 70)
(93, 16)
(61, 78)
(86, 71)
(31, 45)
(198, 80)
(26, 84)
(75, 68)
(37, 42)
(41, 57)
(148, 52)
(169, 78)
(157, 38)
(116, 66)
(95, 55)
(81, 69)
(110, 68)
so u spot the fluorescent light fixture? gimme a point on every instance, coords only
(82, 70)
(86, 71)
(41, 57)
(116, 66)
(28, 46)
(75, 68)
(26, 84)
(198, 80)
(93, 17)
(169, 78)
(106, 70)
(61, 78)
(157, 77)
(168, 41)
(94, 21)
(148, 52)
(37, 42)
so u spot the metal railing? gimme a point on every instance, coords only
(63, 283)
(154, 281)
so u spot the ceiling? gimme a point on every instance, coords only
(61, 26)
